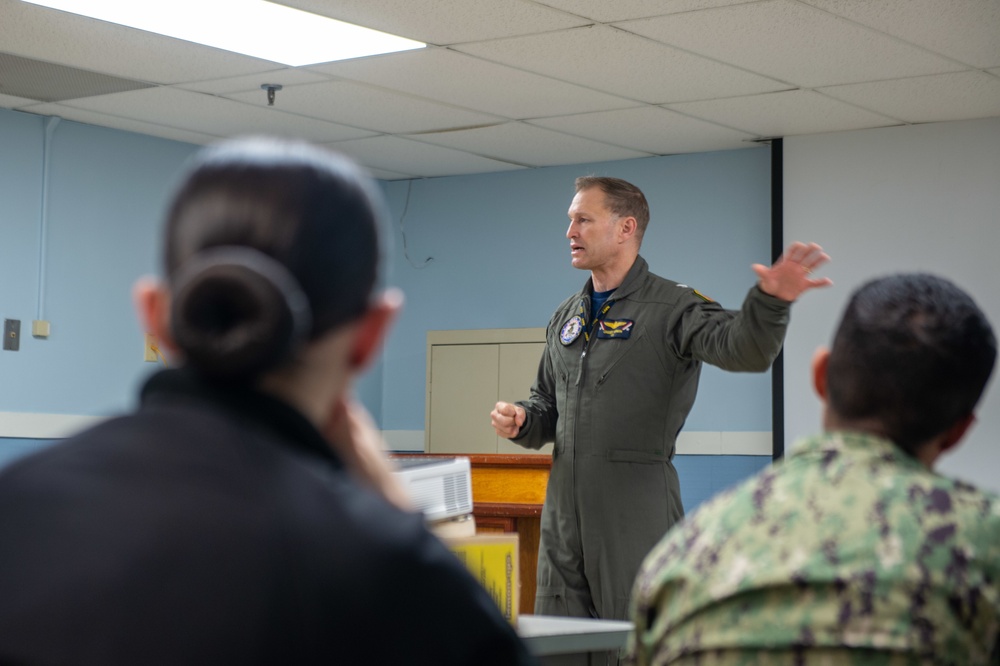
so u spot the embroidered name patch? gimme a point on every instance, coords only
(571, 330)
(617, 328)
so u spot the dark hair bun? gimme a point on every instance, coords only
(236, 313)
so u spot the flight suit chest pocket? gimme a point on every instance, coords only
(618, 354)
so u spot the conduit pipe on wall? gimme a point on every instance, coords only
(50, 127)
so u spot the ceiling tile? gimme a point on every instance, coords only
(968, 30)
(216, 116)
(529, 145)
(792, 42)
(762, 67)
(59, 37)
(370, 108)
(623, 10)
(286, 76)
(444, 21)
(400, 155)
(124, 124)
(785, 113)
(651, 129)
(474, 83)
(46, 82)
(925, 99)
(623, 64)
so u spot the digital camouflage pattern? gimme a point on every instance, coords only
(847, 552)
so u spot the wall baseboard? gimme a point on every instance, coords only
(724, 443)
(23, 425)
(689, 443)
(26, 425)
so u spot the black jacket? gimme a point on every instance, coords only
(218, 527)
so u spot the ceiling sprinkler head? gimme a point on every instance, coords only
(271, 89)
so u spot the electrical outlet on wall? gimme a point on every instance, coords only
(11, 334)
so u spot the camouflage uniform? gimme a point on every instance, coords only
(848, 552)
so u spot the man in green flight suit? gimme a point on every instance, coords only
(616, 381)
(851, 550)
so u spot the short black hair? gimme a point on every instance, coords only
(912, 352)
(268, 242)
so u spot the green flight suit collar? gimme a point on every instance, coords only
(632, 281)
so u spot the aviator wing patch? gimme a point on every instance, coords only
(615, 328)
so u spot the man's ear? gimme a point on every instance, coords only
(373, 328)
(152, 305)
(627, 227)
(947, 440)
(820, 363)
(954, 434)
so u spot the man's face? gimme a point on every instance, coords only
(593, 231)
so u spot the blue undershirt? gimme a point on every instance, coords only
(597, 301)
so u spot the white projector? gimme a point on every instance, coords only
(439, 487)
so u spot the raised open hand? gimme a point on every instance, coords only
(791, 274)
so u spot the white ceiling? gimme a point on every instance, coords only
(512, 84)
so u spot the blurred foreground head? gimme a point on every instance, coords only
(910, 359)
(269, 245)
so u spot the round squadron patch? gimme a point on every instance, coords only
(571, 330)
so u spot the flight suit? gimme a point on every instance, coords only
(613, 394)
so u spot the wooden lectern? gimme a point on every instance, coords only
(507, 496)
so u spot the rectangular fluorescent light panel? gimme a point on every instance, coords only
(252, 27)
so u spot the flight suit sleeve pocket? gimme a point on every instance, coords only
(563, 602)
(626, 455)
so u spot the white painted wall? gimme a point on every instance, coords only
(924, 197)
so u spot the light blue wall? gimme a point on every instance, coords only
(501, 260)
(499, 253)
(702, 477)
(13, 448)
(106, 194)
(106, 197)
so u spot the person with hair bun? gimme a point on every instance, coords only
(245, 512)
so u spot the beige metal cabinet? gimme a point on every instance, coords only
(467, 373)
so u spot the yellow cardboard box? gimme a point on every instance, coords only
(492, 559)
